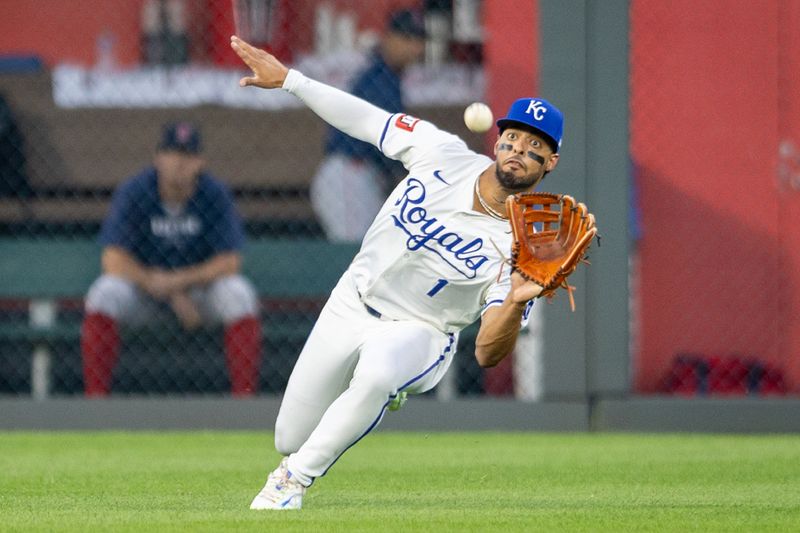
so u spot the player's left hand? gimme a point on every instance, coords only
(523, 290)
(163, 283)
(268, 72)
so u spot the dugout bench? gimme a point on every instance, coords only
(42, 280)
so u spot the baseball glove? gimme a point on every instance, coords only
(551, 235)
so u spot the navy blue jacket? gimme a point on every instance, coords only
(207, 225)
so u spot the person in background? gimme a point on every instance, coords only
(354, 178)
(172, 245)
(164, 35)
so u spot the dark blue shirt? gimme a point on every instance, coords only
(381, 86)
(207, 225)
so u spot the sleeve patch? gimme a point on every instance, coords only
(406, 122)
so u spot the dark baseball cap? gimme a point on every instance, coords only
(181, 137)
(407, 22)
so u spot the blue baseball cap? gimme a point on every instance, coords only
(536, 113)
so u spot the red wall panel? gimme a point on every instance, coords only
(66, 30)
(715, 275)
(789, 183)
(511, 54)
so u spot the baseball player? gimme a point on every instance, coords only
(431, 264)
(172, 246)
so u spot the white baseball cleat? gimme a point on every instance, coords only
(281, 492)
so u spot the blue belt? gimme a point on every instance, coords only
(372, 311)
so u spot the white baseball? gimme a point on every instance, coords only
(478, 117)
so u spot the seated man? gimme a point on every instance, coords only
(172, 244)
(352, 182)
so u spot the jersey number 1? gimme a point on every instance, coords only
(436, 288)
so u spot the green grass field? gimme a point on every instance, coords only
(204, 481)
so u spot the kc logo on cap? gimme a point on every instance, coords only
(537, 109)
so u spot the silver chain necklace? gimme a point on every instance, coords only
(489, 210)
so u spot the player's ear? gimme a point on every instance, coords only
(552, 161)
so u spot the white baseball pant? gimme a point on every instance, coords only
(350, 368)
(346, 194)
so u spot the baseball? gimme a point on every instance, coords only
(478, 117)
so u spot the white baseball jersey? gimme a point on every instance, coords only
(429, 255)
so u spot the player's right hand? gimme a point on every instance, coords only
(186, 311)
(268, 72)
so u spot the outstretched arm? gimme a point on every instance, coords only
(500, 324)
(343, 111)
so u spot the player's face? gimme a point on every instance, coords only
(522, 159)
(401, 51)
(177, 174)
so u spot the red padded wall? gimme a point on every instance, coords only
(713, 92)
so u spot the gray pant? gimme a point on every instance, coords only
(225, 300)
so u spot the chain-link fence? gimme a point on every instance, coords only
(716, 262)
(88, 88)
(115, 281)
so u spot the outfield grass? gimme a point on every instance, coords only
(204, 481)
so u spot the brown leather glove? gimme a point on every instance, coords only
(551, 235)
